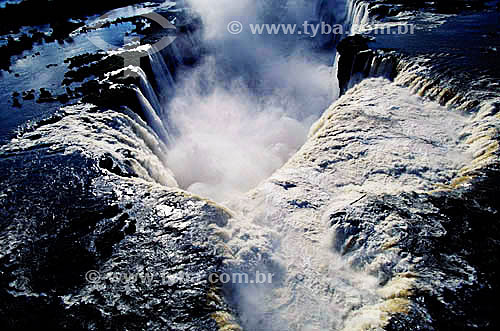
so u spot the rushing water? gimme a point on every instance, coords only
(247, 107)
(43, 67)
(249, 125)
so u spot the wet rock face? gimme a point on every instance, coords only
(450, 239)
(457, 50)
(444, 243)
(348, 49)
(67, 210)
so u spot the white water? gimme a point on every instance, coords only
(162, 75)
(152, 117)
(148, 91)
(153, 101)
(241, 114)
(357, 16)
(248, 106)
(377, 139)
(122, 135)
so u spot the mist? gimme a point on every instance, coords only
(247, 107)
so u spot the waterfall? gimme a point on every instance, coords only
(148, 91)
(355, 21)
(152, 117)
(162, 75)
(151, 106)
(360, 18)
(153, 102)
(357, 16)
(334, 76)
(382, 66)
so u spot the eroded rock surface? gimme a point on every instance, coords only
(76, 203)
(364, 227)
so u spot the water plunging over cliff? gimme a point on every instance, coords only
(246, 108)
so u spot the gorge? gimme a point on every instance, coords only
(360, 171)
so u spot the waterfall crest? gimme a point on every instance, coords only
(357, 17)
(162, 75)
(152, 117)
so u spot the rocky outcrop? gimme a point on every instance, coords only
(356, 61)
(442, 239)
(386, 217)
(383, 185)
(89, 239)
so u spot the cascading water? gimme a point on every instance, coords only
(357, 17)
(247, 106)
(151, 117)
(162, 75)
(352, 217)
(154, 101)
(236, 128)
(148, 91)
(151, 106)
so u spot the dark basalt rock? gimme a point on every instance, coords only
(45, 96)
(95, 69)
(355, 63)
(16, 103)
(454, 237)
(348, 48)
(62, 29)
(63, 215)
(84, 59)
(63, 98)
(100, 94)
(29, 95)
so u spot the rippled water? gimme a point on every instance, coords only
(29, 70)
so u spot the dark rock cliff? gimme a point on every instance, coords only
(86, 244)
(453, 233)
